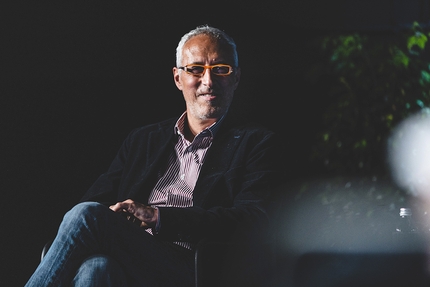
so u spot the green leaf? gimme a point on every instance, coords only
(420, 103)
(400, 58)
(419, 39)
(425, 76)
(360, 144)
(326, 137)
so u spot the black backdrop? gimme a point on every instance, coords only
(79, 75)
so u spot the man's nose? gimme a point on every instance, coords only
(207, 77)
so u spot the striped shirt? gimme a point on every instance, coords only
(176, 184)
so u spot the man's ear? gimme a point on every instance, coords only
(176, 78)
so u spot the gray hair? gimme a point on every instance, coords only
(210, 31)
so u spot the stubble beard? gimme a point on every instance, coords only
(203, 112)
(209, 110)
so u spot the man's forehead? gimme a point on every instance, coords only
(202, 42)
(207, 46)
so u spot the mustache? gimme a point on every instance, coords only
(205, 92)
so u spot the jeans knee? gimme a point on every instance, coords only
(84, 208)
(83, 213)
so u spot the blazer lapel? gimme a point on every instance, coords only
(160, 144)
(216, 164)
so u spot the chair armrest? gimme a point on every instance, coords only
(45, 249)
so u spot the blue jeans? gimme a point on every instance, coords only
(95, 246)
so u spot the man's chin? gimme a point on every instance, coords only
(205, 112)
(214, 114)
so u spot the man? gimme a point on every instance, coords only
(204, 175)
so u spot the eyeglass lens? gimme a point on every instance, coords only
(217, 70)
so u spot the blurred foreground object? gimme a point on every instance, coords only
(409, 154)
(409, 160)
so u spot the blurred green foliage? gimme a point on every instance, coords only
(372, 82)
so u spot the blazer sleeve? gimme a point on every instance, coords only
(131, 173)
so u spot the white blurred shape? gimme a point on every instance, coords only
(409, 154)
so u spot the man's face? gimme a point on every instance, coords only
(207, 96)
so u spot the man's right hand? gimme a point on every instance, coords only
(145, 213)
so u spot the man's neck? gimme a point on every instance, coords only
(194, 127)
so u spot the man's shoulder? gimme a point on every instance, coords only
(246, 124)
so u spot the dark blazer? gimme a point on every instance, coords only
(240, 170)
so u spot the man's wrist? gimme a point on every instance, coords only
(151, 216)
(157, 226)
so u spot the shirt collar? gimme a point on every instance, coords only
(212, 129)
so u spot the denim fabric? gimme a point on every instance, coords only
(100, 270)
(90, 230)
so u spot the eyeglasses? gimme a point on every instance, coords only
(199, 70)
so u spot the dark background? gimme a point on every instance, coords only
(78, 76)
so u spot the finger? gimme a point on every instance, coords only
(118, 207)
